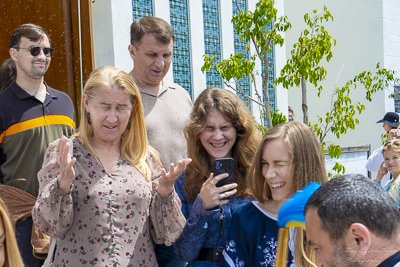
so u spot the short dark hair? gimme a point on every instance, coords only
(156, 26)
(354, 198)
(29, 30)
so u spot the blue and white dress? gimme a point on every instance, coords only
(253, 238)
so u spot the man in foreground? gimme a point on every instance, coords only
(351, 221)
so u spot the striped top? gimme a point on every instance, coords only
(27, 127)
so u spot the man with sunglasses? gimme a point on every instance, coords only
(32, 114)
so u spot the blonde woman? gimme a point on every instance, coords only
(110, 201)
(288, 158)
(9, 252)
(391, 163)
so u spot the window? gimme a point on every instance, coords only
(142, 8)
(240, 47)
(397, 98)
(212, 39)
(181, 60)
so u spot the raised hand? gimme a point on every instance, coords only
(382, 171)
(167, 180)
(67, 172)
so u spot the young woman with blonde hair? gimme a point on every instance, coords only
(288, 158)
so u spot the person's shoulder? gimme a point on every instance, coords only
(8, 96)
(53, 91)
(9, 89)
(60, 95)
(175, 86)
(245, 208)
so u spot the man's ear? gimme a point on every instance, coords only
(132, 50)
(13, 53)
(359, 238)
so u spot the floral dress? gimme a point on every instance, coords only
(107, 219)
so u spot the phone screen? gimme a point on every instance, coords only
(225, 165)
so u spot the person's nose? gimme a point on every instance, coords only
(160, 62)
(218, 134)
(269, 173)
(112, 116)
(318, 260)
(41, 55)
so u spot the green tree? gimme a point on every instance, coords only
(252, 27)
(305, 66)
(314, 45)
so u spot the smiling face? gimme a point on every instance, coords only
(110, 111)
(28, 65)
(218, 136)
(276, 168)
(392, 162)
(152, 60)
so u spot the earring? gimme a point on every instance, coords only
(88, 117)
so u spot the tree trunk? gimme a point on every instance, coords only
(265, 90)
(304, 105)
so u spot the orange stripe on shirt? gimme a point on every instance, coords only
(37, 122)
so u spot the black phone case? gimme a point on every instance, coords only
(225, 165)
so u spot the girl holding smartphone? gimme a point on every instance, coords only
(219, 126)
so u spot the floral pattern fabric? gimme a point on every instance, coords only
(252, 239)
(107, 219)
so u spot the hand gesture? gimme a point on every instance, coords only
(167, 180)
(212, 196)
(392, 134)
(67, 172)
(382, 171)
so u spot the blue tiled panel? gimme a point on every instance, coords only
(181, 60)
(240, 47)
(271, 74)
(212, 42)
(142, 8)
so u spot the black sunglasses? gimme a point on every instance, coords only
(35, 50)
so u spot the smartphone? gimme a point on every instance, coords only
(225, 165)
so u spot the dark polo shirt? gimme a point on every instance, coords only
(27, 126)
